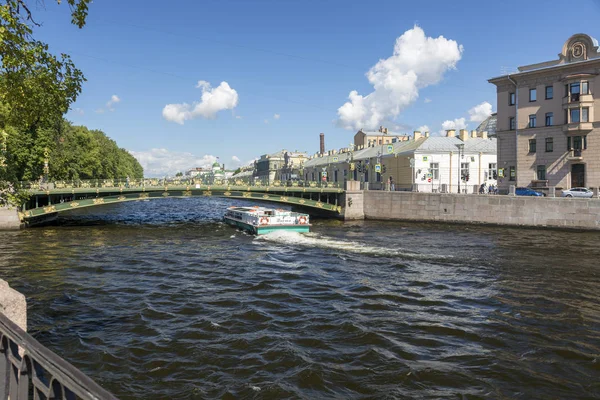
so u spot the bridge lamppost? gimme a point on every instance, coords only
(46, 166)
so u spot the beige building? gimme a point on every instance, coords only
(364, 139)
(282, 165)
(548, 133)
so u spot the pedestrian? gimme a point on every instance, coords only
(127, 182)
(392, 186)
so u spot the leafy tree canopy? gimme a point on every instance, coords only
(35, 85)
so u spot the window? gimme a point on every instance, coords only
(511, 174)
(379, 141)
(549, 145)
(335, 176)
(532, 145)
(532, 94)
(549, 119)
(585, 114)
(577, 143)
(378, 176)
(511, 123)
(435, 170)
(574, 115)
(584, 88)
(464, 171)
(313, 176)
(549, 92)
(532, 121)
(541, 172)
(345, 173)
(574, 90)
(511, 99)
(492, 171)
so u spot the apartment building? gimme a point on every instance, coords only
(548, 133)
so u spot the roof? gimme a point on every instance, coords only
(378, 133)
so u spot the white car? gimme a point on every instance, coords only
(578, 192)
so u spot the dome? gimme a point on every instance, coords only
(488, 125)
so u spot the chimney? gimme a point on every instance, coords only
(451, 133)
(484, 135)
(380, 128)
(322, 143)
(385, 130)
(417, 135)
(473, 134)
(463, 134)
(426, 134)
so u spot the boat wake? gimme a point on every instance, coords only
(316, 240)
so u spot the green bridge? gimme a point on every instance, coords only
(48, 199)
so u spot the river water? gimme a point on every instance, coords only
(159, 299)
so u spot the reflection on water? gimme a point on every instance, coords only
(161, 300)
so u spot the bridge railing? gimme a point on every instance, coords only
(30, 370)
(166, 182)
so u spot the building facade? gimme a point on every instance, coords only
(364, 139)
(423, 163)
(279, 166)
(548, 133)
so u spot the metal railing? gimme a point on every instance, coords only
(30, 370)
(156, 182)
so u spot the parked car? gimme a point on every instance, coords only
(578, 192)
(524, 191)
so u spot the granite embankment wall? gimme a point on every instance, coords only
(483, 209)
(9, 219)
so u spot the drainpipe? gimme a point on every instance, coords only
(450, 177)
(516, 131)
(479, 174)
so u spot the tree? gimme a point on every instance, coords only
(35, 85)
(179, 174)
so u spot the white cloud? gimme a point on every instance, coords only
(480, 112)
(114, 99)
(163, 162)
(78, 111)
(427, 100)
(276, 116)
(213, 100)
(235, 159)
(417, 62)
(423, 128)
(266, 121)
(238, 117)
(458, 124)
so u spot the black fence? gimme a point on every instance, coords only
(28, 370)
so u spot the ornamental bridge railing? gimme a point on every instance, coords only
(54, 197)
(28, 370)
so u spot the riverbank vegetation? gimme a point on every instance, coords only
(37, 88)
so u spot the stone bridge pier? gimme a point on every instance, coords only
(353, 201)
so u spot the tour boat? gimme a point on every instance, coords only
(261, 220)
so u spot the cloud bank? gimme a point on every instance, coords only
(163, 162)
(480, 112)
(418, 61)
(213, 100)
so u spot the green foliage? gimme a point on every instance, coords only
(74, 152)
(179, 174)
(35, 85)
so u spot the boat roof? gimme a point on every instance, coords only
(257, 209)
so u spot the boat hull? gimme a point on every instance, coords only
(264, 229)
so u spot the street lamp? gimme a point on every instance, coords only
(460, 147)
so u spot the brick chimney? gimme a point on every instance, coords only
(473, 134)
(322, 143)
(484, 135)
(463, 135)
(451, 133)
(417, 135)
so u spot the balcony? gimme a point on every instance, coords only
(577, 98)
(575, 155)
(578, 127)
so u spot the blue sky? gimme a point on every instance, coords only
(289, 66)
